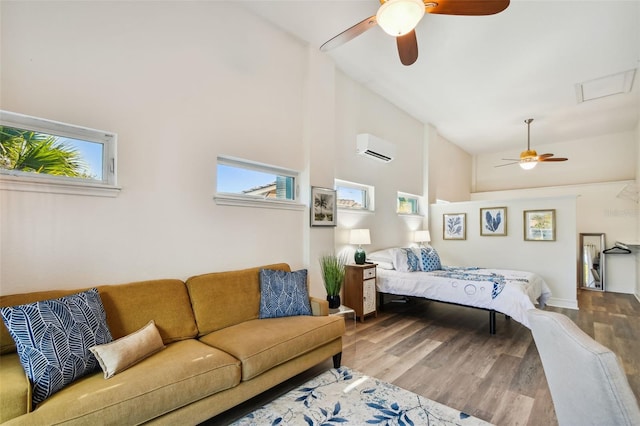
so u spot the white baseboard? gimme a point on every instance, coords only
(563, 303)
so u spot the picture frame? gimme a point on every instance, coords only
(454, 226)
(493, 221)
(540, 225)
(324, 206)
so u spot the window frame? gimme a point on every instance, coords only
(248, 200)
(417, 198)
(16, 180)
(369, 195)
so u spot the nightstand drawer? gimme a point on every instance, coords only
(369, 273)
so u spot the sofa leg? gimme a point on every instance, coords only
(336, 360)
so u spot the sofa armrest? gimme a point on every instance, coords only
(319, 307)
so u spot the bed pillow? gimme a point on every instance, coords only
(429, 259)
(384, 265)
(53, 338)
(129, 350)
(385, 255)
(283, 294)
(406, 260)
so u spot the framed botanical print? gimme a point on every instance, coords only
(540, 225)
(324, 206)
(454, 226)
(493, 221)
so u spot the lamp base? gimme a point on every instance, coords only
(360, 256)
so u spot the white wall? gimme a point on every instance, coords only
(449, 170)
(552, 260)
(598, 209)
(598, 159)
(179, 90)
(360, 111)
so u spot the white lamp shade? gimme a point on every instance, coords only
(422, 237)
(359, 236)
(398, 17)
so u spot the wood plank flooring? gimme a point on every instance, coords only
(446, 353)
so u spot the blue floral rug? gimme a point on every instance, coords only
(340, 396)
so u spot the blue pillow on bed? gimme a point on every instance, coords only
(429, 259)
(406, 260)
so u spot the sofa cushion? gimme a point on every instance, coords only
(182, 373)
(222, 299)
(15, 390)
(265, 343)
(53, 339)
(283, 294)
(129, 350)
(131, 306)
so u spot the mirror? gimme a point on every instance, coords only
(592, 265)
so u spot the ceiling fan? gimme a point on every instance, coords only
(529, 158)
(399, 18)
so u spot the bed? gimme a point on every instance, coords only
(417, 272)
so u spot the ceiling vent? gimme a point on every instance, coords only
(373, 147)
(605, 86)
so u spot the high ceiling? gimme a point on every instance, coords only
(478, 78)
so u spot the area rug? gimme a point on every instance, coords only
(345, 396)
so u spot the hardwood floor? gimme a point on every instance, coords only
(446, 353)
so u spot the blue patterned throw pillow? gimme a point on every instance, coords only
(53, 338)
(430, 261)
(283, 294)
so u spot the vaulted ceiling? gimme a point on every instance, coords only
(478, 78)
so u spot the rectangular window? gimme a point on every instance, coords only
(239, 180)
(37, 150)
(354, 196)
(408, 203)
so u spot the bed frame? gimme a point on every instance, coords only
(492, 312)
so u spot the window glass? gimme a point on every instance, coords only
(408, 204)
(354, 196)
(250, 179)
(31, 147)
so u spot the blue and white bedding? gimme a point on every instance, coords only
(509, 292)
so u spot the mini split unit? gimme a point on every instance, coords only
(373, 147)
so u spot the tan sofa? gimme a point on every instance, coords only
(218, 353)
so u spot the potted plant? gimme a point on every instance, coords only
(332, 267)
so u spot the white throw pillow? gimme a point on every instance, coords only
(123, 353)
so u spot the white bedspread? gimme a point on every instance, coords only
(506, 291)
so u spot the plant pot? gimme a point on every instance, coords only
(334, 301)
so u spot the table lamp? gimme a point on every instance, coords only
(359, 237)
(422, 237)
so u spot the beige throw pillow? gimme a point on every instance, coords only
(121, 354)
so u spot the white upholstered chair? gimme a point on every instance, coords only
(587, 383)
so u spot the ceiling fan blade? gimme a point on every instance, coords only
(547, 155)
(510, 159)
(508, 164)
(349, 34)
(545, 160)
(467, 7)
(408, 48)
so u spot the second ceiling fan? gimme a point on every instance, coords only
(399, 18)
(529, 158)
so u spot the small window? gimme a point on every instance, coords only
(39, 151)
(408, 203)
(354, 196)
(244, 182)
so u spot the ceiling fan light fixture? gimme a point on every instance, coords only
(398, 17)
(528, 164)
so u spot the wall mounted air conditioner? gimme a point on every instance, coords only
(373, 147)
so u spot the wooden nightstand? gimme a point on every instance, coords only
(360, 289)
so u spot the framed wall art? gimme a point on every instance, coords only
(454, 226)
(493, 221)
(324, 206)
(540, 225)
